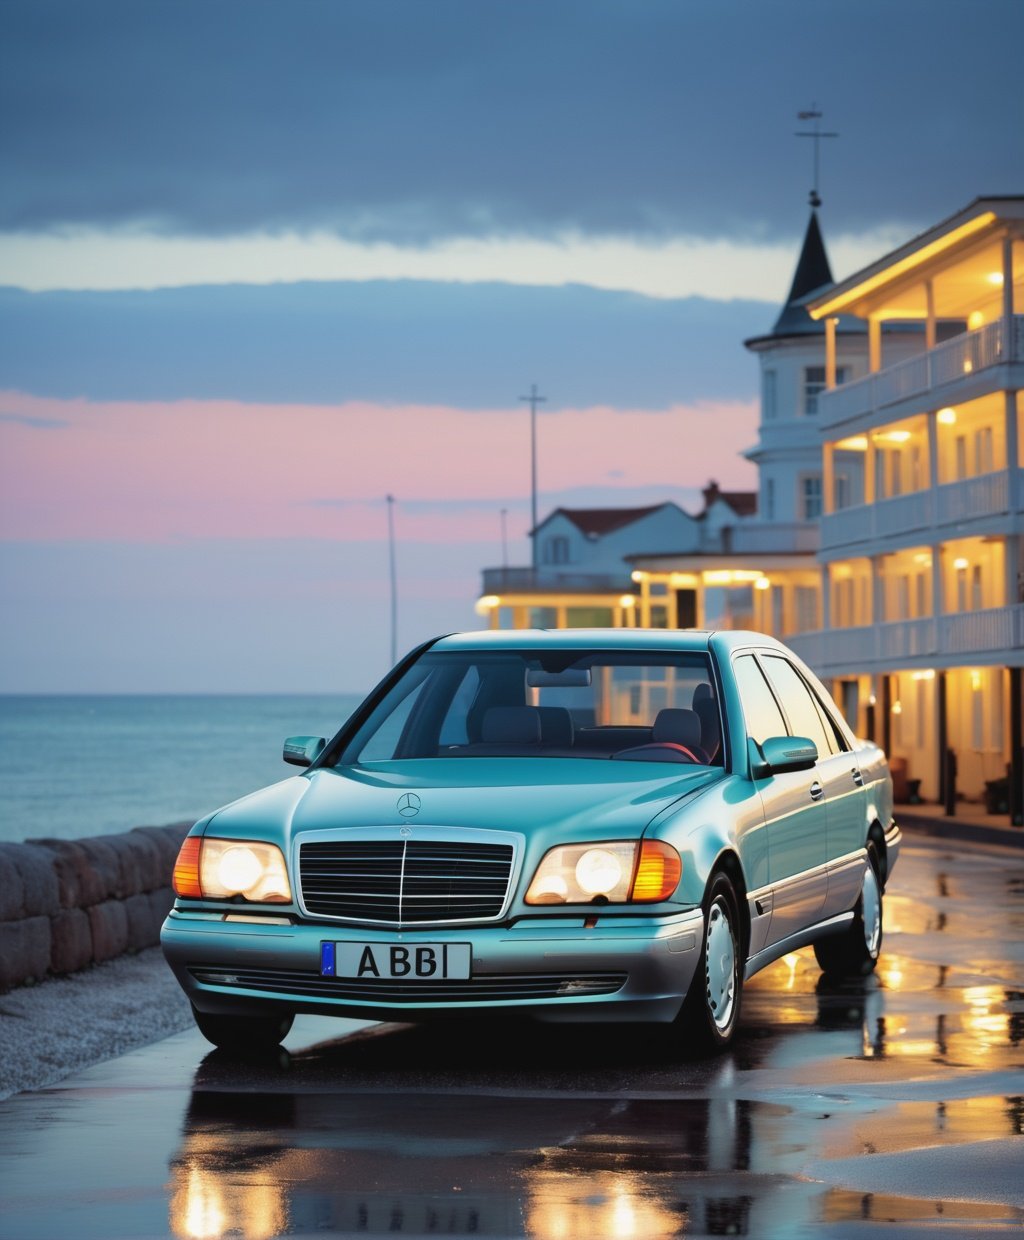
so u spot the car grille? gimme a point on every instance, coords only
(480, 989)
(405, 882)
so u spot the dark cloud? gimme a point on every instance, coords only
(471, 346)
(409, 120)
(43, 424)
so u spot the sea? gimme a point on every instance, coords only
(74, 766)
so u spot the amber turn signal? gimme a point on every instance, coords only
(186, 869)
(658, 872)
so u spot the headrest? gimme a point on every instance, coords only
(681, 727)
(706, 711)
(511, 725)
(702, 693)
(556, 726)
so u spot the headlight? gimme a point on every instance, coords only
(214, 869)
(619, 872)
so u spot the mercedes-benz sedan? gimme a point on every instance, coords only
(602, 825)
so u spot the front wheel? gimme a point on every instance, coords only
(251, 1034)
(854, 953)
(712, 1006)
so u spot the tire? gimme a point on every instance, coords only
(245, 1034)
(712, 1006)
(855, 952)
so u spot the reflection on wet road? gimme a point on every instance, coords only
(894, 1104)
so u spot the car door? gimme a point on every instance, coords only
(840, 778)
(795, 821)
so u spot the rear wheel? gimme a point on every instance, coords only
(854, 953)
(243, 1033)
(712, 1005)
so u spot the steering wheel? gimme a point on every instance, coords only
(673, 747)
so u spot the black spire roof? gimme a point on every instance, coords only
(812, 272)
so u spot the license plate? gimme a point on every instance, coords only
(416, 961)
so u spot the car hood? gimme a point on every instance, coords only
(547, 799)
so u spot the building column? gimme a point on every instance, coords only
(1012, 450)
(870, 470)
(1008, 292)
(887, 714)
(828, 478)
(645, 602)
(1016, 751)
(942, 730)
(830, 352)
(561, 616)
(494, 618)
(826, 598)
(874, 344)
(520, 617)
(877, 590)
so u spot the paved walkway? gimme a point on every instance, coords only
(970, 823)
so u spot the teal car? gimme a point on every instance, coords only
(592, 826)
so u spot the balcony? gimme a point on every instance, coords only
(919, 517)
(767, 537)
(989, 636)
(947, 364)
(555, 579)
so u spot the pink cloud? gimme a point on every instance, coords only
(163, 471)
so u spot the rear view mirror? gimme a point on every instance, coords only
(779, 754)
(303, 750)
(571, 678)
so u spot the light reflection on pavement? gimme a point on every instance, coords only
(893, 1105)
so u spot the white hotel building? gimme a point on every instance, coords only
(922, 630)
(884, 540)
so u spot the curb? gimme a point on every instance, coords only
(964, 832)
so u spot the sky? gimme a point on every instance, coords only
(263, 264)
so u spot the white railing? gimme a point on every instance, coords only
(974, 632)
(993, 632)
(777, 536)
(848, 525)
(963, 355)
(949, 504)
(906, 639)
(974, 497)
(903, 512)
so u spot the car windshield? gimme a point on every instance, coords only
(628, 705)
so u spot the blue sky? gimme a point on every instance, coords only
(258, 256)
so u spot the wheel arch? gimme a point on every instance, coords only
(728, 863)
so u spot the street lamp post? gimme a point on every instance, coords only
(534, 400)
(394, 580)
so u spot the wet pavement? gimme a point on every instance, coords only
(891, 1106)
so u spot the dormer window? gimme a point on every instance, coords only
(556, 550)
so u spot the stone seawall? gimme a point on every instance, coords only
(65, 904)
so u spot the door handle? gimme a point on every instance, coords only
(817, 791)
(858, 778)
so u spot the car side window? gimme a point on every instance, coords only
(804, 716)
(760, 709)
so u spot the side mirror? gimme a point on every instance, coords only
(303, 750)
(779, 754)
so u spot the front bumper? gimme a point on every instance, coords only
(554, 969)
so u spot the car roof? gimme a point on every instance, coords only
(602, 639)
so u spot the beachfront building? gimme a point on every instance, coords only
(762, 573)
(584, 575)
(922, 631)
(748, 557)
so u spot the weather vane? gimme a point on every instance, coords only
(816, 133)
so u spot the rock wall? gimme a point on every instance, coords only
(65, 904)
